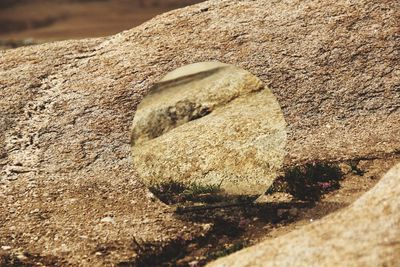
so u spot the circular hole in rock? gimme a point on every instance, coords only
(208, 129)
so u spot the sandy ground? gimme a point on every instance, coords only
(44, 21)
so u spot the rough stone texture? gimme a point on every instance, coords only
(66, 110)
(219, 126)
(60, 220)
(367, 233)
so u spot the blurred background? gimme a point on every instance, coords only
(26, 22)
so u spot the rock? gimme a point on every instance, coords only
(194, 263)
(367, 233)
(21, 257)
(69, 107)
(108, 219)
(345, 168)
(210, 124)
(281, 212)
(293, 212)
(275, 197)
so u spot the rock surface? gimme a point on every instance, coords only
(210, 124)
(66, 110)
(365, 234)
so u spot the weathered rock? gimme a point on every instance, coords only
(66, 110)
(210, 124)
(367, 233)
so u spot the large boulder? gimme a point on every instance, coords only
(215, 126)
(69, 194)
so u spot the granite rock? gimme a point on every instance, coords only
(66, 110)
(218, 126)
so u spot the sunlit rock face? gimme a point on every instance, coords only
(210, 124)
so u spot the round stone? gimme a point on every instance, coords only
(210, 124)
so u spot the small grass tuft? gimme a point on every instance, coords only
(226, 250)
(355, 169)
(174, 192)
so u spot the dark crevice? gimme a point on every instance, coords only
(309, 181)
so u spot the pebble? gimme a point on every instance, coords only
(35, 211)
(194, 263)
(280, 212)
(293, 211)
(108, 219)
(206, 226)
(151, 196)
(21, 257)
(5, 247)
